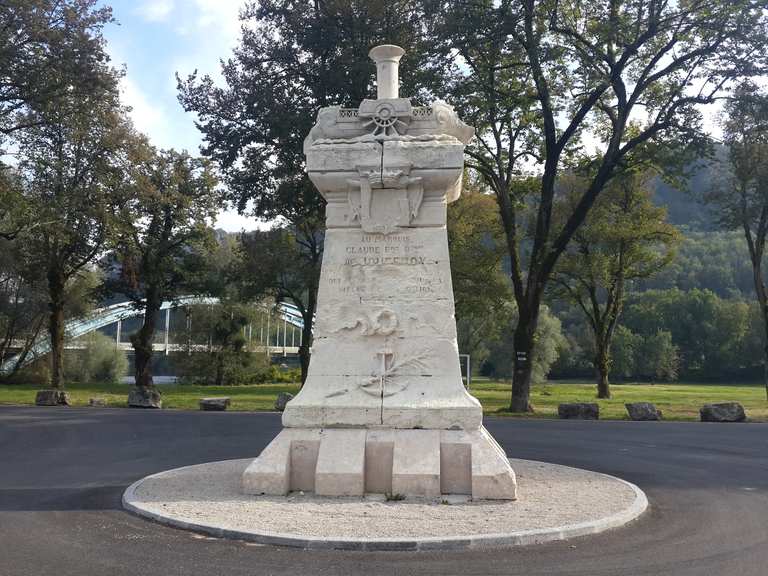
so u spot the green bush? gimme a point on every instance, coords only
(101, 361)
(233, 368)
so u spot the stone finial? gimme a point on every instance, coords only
(387, 59)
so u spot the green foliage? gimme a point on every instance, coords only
(741, 198)
(100, 362)
(657, 357)
(161, 235)
(283, 264)
(624, 238)
(292, 59)
(624, 350)
(717, 261)
(162, 225)
(224, 368)
(481, 290)
(711, 334)
(540, 74)
(53, 57)
(549, 343)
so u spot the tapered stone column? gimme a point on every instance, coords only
(384, 408)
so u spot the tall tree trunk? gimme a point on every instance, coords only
(306, 332)
(304, 349)
(756, 254)
(762, 297)
(523, 360)
(602, 368)
(142, 342)
(219, 379)
(56, 284)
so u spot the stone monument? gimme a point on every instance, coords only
(384, 408)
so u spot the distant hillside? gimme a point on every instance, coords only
(683, 206)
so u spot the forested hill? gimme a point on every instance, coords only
(684, 206)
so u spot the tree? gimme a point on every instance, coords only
(711, 334)
(294, 58)
(549, 339)
(223, 325)
(624, 352)
(53, 58)
(23, 305)
(481, 289)
(69, 165)
(535, 76)
(741, 201)
(276, 264)
(625, 237)
(12, 204)
(657, 357)
(162, 226)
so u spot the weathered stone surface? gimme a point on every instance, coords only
(340, 469)
(416, 463)
(282, 399)
(138, 398)
(52, 398)
(723, 412)
(97, 402)
(579, 411)
(214, 404)
(353, 462)
(643, 411)
(384, 351)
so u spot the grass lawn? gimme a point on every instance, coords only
(261, 397)
(677, 401)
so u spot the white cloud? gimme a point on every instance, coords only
(216, 26)
(148, 117)
(156, 10)
(221, 16)
(231, 221)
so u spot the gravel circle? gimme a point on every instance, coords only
(554, 502)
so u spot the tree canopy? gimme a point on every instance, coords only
(537, 77)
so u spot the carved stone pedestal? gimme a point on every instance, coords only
(354, 462)
(384, 408)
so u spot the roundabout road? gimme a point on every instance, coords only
(63, 471)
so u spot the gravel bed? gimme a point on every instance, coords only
(552, 498)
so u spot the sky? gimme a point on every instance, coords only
(155, 39)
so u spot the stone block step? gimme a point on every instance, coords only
(399, 463)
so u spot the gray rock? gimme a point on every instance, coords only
(52, 397)
(214, 404)
(97, 402)
(723, 412)
(143, 398)
(579, 411)
(282, 399)
(643, 411)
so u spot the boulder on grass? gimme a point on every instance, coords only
(214, 404)
(723, 412)
(97, 402)
(144, 398)
(643, 411)
(282, 399)
(579, 411)
(52, 398)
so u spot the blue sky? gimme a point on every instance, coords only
(154, 39)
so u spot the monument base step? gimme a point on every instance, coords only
(400, 463)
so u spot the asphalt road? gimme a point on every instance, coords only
(63, 470)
